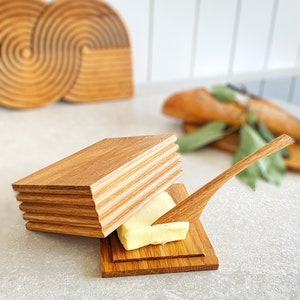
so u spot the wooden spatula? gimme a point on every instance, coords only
(191, 208)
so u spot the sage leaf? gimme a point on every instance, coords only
(249, 175)
(271, 168)
(223, 93)
(268, 136)
(252, 117)
(201, 137)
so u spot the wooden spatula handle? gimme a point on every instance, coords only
(191, 208)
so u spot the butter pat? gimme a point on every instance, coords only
(157, 234)
(137, 231)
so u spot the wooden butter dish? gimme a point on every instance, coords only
(188, 208)
(108, 182)
(195, 253)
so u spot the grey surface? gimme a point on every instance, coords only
(254, 234)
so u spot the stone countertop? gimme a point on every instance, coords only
(256, 235)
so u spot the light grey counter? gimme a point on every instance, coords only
(255, 234)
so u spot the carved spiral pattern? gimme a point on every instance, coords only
(42, 47)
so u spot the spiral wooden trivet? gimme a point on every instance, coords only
(71, 49)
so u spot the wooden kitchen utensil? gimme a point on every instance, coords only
(191, 208)
(76, 50)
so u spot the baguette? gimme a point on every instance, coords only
(199, 106)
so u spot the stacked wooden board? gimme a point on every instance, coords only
(93, 191)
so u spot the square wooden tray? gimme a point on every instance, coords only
(195, 253)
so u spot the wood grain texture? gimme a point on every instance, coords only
(107, 222)
(46, 54)
(194, 254)
(66, 229)
(88, 170)
(62, 219)
(104, 74)
(107, 182)
(191, 208)
(54, 199)
(69, 210)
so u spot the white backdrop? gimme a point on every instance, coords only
(252, 41)
(256, 41)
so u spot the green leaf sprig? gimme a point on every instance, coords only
(253, 135)
(271, 168)
(201, 137)
(223, 93)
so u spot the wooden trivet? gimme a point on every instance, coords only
(71, 49)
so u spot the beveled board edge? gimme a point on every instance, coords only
(110, 268)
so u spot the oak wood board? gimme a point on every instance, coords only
(88, 170)
(115, 261)
(108, 180)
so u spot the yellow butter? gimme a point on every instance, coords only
(137, 231)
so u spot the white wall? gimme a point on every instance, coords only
(251, 41)
(255, 41)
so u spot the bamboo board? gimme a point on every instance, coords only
(98, 167)
(46, 54)
(88, 231)
(107, 182)
(54, 199)
(195, 253)
(47, 218)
